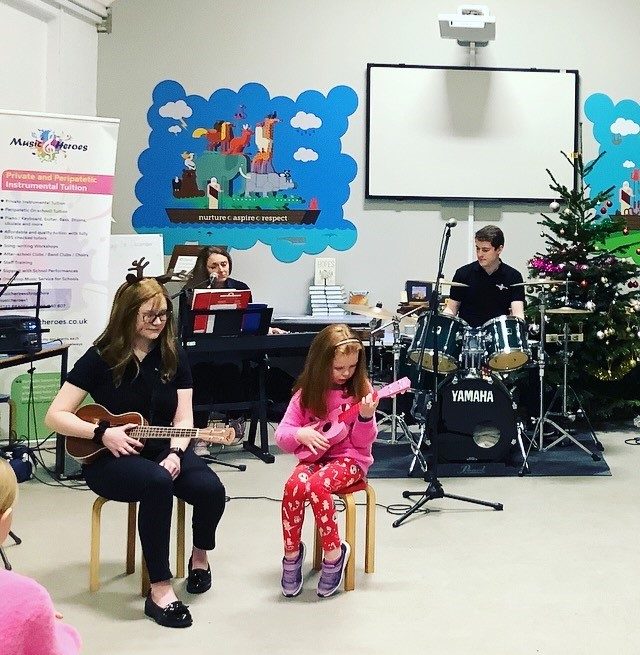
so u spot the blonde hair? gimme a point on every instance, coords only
(8, 486)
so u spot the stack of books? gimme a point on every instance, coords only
(326, 299)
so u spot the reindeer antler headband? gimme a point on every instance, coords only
(138, 265)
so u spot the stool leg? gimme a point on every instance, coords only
(350, 536)
(13, 434)
(94, 557)
(131, 538)
(146, 583)
(180, 540)
(317, 549)
(5, 560)
(370, 534)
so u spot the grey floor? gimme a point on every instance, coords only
(555, 572)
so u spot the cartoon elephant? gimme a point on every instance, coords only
(225, 168)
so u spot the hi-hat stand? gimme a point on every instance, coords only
(434, 486)
(396, 420)
(562, 392)
(542, 359)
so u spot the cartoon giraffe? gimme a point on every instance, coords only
(261, 163)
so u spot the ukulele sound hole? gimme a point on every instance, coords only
(326, 427)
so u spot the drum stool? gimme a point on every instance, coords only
(346, 495)
(94, 561)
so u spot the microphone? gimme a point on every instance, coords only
(452, 222)
(212, 278)
(206, 281)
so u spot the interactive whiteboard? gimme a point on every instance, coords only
(453, 133)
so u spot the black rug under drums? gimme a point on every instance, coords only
(393, 461)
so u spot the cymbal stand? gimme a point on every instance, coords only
(396, 420)
(561, 390)
(542, 360)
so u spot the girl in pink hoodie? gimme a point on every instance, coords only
(29, 623)
(333, 451)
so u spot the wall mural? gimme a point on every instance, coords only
(616, 127)
(241, 167)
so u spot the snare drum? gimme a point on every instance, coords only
(446, 332)
(505, 340)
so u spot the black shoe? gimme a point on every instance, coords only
(199, 580)
(174, 615)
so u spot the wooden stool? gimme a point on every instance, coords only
(346, 495)
(94, 561)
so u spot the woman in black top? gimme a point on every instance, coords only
(211, 271)
(136, 365)
(223, 382)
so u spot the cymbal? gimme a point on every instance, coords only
(542, 281)
(568, 310)
(447, 283)
(373, 312)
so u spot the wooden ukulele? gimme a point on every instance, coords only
(334, 427)
(87, 451)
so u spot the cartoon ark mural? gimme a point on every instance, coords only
(242, 167)
(616, 128)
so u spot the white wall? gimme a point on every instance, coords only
(49, 57)
(294, 45)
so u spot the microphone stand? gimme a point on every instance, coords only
(8, 284)
(434, 486)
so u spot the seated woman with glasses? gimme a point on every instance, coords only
(136, 365)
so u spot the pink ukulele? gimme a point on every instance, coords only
(334, 427)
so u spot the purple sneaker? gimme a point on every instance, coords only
(292, 577)
(333, 573)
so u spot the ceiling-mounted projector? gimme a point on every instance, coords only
(472, 24)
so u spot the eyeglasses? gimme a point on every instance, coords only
(150, 317)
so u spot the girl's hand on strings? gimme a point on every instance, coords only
(310, 437)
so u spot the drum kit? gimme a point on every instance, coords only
(478, 420)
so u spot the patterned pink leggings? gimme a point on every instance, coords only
(315, 483)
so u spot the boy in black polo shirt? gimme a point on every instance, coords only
(490, 291)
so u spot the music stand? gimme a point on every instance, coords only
(434, 486)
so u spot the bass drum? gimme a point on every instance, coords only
(477, 420)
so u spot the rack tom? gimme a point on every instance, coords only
(445, 334)
(505, 340)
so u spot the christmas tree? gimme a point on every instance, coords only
(594, 278)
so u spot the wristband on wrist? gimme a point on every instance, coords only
(364, 420)
(98, 433)
(176, 451)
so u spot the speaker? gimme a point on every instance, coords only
(20, 335)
